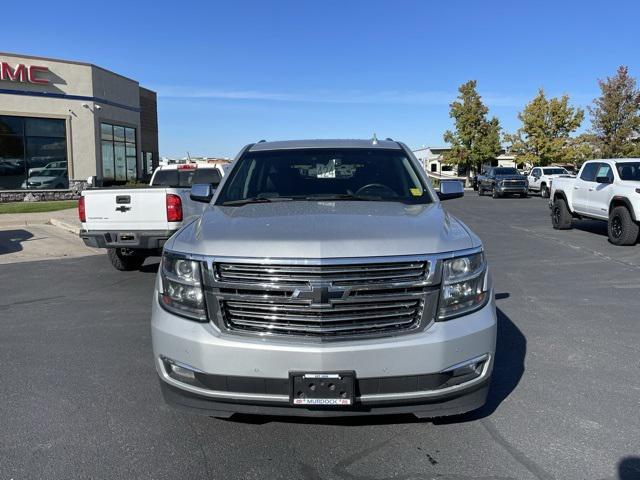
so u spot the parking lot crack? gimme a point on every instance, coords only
(516, 454)
(34, 300)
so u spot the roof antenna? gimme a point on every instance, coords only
(374, 140)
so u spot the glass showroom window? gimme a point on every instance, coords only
(119, 161)
(33, 153)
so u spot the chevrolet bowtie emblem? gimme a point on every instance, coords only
(122, 209)
(319, 294)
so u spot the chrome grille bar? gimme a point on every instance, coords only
(344, 274)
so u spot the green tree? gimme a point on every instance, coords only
(544, 137)
(582, 148)
(615, 115)
(475, 139)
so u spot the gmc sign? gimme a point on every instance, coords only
(23, 73)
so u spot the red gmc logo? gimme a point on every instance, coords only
(23, 73)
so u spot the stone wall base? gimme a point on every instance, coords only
(75, 187)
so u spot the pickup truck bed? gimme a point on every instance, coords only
(135, 223)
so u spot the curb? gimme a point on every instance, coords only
(64, 225)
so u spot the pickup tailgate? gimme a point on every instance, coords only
(126, 209)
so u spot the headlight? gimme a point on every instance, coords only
(464, 287)
(182, 287)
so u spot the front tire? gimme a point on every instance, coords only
(480, 191)
(560, 215)
(621, 228)
(495, 193)
(544, 191)
(125, 259)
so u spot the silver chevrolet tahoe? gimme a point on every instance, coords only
(324, 279)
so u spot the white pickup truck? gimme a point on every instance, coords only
(134, 223)
(540, 178)
(607, 190)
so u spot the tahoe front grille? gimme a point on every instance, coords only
(322, 301)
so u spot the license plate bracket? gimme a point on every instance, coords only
(322, 389)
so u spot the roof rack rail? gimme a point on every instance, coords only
(262, 141)
(389, 139)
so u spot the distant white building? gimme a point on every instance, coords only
(431, 159)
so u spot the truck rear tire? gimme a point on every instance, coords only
(621, 228)
(125, 259)
(560, 215)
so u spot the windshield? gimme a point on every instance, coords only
(555, 171)
(334, 174)
(629, 171)
(506, 171)
(186, 177)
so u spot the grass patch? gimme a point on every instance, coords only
(33, 207)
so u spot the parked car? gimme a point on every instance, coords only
(606, 190)
(59, 164)
(502, 181)
(133, 224)
(324, 279)
(540, 179)
(52, 178)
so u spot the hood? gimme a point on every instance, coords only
(323, 230)
(37, 178)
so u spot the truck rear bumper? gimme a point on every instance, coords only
(144, 239)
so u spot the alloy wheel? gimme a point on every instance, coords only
(616, 226)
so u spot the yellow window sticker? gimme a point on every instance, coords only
(416, 192)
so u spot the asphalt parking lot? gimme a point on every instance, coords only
(79, 397)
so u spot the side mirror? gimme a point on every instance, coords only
(201, 192)
(604, 180)
(450, 189)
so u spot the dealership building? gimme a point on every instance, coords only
(62, 122)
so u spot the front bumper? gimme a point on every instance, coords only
(394, 374)
(511, 189)
(143, 239)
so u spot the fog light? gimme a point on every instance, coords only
(180, 371)
(183, 372)
(465, 371)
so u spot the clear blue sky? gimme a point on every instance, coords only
(228, 73)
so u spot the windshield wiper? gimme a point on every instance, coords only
(346, 196)
(246, 201)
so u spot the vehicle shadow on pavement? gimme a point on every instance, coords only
(511, 348)
(591, 226)
(629, 468)
(11, 240)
